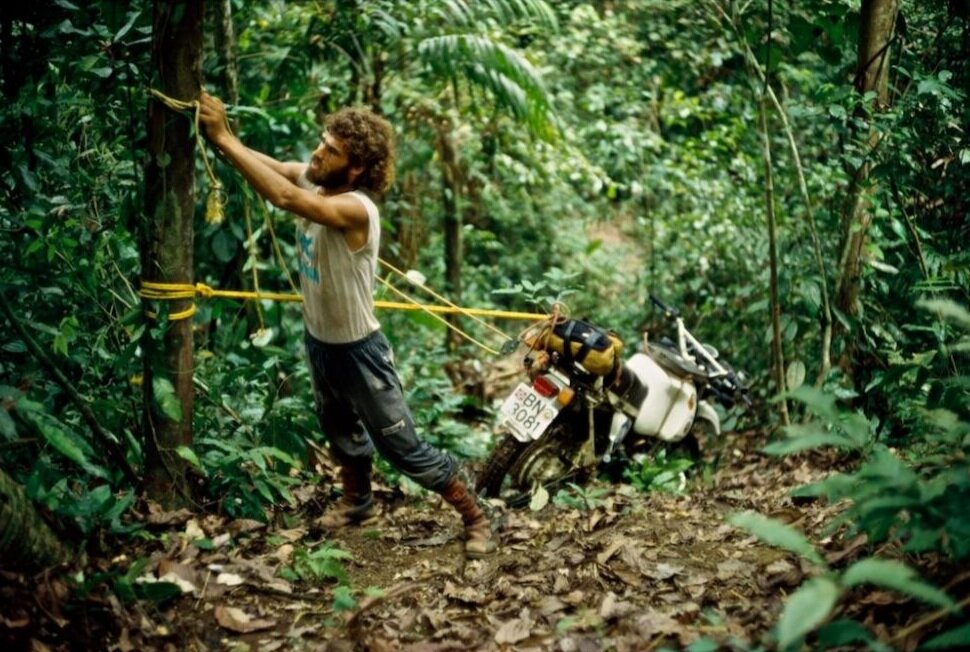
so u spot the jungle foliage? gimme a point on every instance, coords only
(591, 151)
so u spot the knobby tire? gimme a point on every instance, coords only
(503, 457)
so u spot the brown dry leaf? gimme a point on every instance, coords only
(654, 623)
(604, 556)
(123, 644)
(229, 579)
(183, 571)
(550, 604)
(158, 517)
(661, 571)
(612, 607)
(294, 534)
(239, 621)
(466, 594)
(513, 631)
(242, 525)
(193, 531)
(731, 568)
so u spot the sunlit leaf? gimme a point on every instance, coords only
(776, 533)
(895, 575)
(805, 609)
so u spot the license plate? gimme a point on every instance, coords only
(528, 413)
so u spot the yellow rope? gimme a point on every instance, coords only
(174, 291)
(439, 297)
(215, 200)
(413, 303)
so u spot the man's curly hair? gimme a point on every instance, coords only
(369, 141)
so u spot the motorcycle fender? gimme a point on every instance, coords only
(707, 412)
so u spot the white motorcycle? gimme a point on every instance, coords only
(584, 405)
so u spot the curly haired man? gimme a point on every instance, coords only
(359, 398)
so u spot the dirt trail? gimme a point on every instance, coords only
(630, 571)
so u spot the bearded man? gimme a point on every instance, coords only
(358, 394)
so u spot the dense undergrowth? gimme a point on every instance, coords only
(607, 150)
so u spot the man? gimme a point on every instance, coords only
(359, 398)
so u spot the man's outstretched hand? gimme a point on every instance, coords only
(212, 117)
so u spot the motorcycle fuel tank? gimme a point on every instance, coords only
(668, 410)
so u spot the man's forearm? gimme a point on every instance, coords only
(263, 172)
(289, 169)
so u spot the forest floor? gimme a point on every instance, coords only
(626, 571)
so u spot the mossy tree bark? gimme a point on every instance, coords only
(877, 26)
(26, 541)
(167, 243)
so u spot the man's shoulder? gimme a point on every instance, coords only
(366, 199)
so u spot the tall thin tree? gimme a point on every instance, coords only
(166, 247)
(877, 25)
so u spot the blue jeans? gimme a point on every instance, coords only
(360, 404)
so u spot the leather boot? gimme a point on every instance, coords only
(356, 506)
(479, 540)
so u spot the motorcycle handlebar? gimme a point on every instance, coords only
(670, 310)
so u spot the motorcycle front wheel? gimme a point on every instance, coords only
(548, 461)
(497, 466)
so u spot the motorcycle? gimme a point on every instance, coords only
(585, 407)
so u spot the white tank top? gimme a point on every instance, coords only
(337, 283)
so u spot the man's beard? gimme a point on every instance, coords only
(333, 179)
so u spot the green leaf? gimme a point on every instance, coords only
(776, 533)
(704, 645)
(805, 609)
(795, 374)
(805, 442)
(540, 498)
(843, 632)
(165, 396)
(157, 591)
(949, 310)
(816, 400)
(189, 456)
(8, 429)
(897, 576)
(958, 637)
(343, 599)
(67, 444)
(224, 246)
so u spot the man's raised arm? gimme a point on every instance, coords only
(289, 169)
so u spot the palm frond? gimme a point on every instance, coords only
(497, 68)
(388, 25)
(462, 14)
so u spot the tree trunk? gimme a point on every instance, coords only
(225, 41)
(25, 539)
(777, 350)
(878, 21)
(450, 193)
(167, 249)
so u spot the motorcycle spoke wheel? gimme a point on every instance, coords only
(544, 462)
(499, 463)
